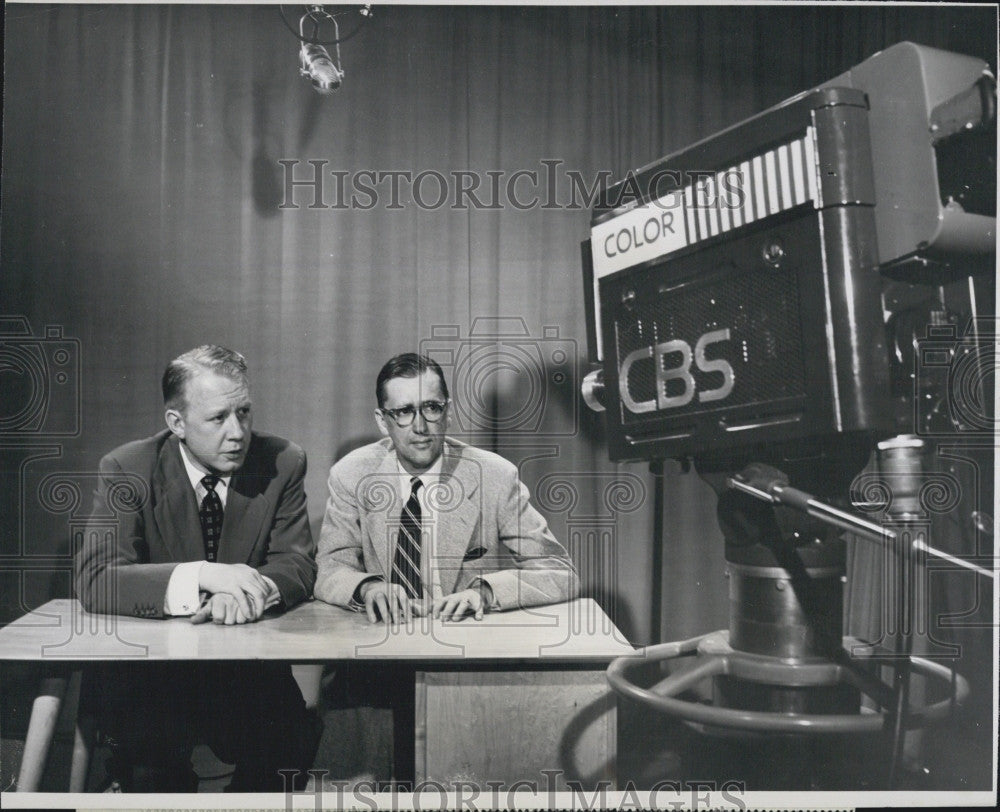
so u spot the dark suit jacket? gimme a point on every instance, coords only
(148, 515)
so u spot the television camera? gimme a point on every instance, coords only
(771, 304)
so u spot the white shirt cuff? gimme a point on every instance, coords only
(182, 598)
(475, 584)
(273, 595)
(359, 606)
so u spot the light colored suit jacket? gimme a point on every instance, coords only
(146, 496)
(486, 528)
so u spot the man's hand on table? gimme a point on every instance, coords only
(474, 601)
(390, 603)
(235, 594)
(243, 583)
(387, 602)
(223, 609)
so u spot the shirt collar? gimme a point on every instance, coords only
(428, 477)
(196, 474)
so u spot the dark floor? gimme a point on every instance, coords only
(956, 755)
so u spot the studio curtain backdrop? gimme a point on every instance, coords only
(145, 211)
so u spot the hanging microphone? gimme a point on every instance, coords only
(317, 65)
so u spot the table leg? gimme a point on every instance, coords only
(403, 727)
(44, 715)
(84, 736)
(420, 727)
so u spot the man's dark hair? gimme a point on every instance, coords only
(208, 357)
(406, 365)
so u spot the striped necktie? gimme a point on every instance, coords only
(211, 517)
(406, 563)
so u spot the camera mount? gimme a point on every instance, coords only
(783, 666)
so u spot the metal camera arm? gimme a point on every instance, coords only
(771, 485)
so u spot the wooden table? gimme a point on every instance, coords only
(501, 699)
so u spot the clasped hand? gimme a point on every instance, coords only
(390, 603)
(237, 593)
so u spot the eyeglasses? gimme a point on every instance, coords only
(431, 410)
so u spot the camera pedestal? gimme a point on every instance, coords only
(784, 666)
(754, 676)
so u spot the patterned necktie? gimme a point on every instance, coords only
(211, 517)
(406, 564)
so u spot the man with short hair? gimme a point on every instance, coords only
(422, 523)
(419, 522)
(212, 525)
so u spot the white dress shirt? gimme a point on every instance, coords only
(183, 596)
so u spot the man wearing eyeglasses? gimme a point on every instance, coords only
(419, 523)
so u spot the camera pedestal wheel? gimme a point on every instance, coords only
(814, 682)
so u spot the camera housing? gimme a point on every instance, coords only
(734, 289)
